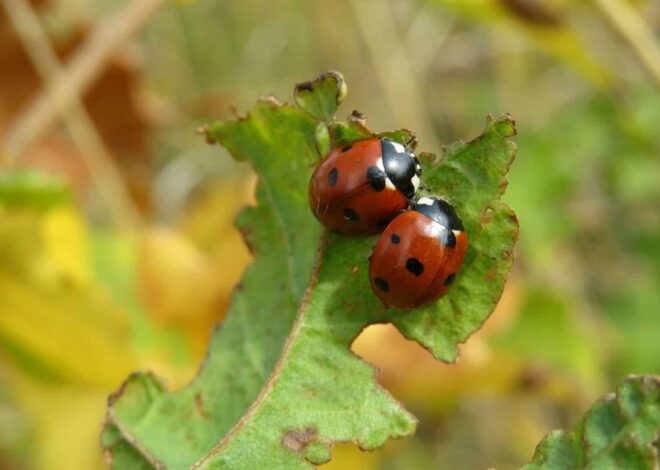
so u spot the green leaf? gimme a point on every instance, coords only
(321, 97)
(32, 189)
(619, 431)
(472, 177)
(279, 142)
(355, 129)
(280, 383)
(55, 322)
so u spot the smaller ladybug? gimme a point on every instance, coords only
(359, 188)
(416, 259)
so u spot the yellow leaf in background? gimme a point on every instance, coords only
(69, 333)
(65, 422)
(209, 219)
(52, 323)
(175, 277)
(67, 243)
(64, 343)
(44, 246)
(186, 276)
(21, 247)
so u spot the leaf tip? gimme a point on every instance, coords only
(321, 97)
(505, 125)
(206, 132)
(143, 387)
(358, 118)
(271, 101)
(342, 88)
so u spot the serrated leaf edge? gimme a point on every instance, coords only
(577, 434)
(270, 383)
(111, 418)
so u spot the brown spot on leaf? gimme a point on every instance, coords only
(491, 274)
(354, 269)
(246, 231)
(296, 439)
(199, 405)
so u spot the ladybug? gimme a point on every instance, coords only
(416, 259)
(359, 188)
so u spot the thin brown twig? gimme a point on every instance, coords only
(87, 64)
(398, 77)
(632, 27)
(104, 173)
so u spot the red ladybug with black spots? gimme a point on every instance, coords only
(417, 257)
(359, 188)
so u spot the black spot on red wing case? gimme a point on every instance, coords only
(414, 266)
(395, 239)
(381, 284)
(332, 177)
(350, 214)
(450, 279)
(376, 178)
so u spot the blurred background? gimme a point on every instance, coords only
(117, 249)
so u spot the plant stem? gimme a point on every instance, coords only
(61, 96)
(397, 76)
(632, 27)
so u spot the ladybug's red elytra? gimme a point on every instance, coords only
(417, 257)
(359, 188)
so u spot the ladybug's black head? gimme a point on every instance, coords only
(401, 166)
(440, 211)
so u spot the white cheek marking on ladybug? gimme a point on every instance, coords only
(398, 147)
(381, 167)
(456, 232)
(425, 201)
(415, 182)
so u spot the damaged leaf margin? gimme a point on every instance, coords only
(319, 392)
(619, 431)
